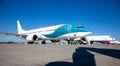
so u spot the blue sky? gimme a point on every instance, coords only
(101, 16)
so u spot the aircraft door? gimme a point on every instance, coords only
(69, 28)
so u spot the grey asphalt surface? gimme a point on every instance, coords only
(59, 55)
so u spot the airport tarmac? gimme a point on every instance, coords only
(59, 55)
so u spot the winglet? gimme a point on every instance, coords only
(20, 30)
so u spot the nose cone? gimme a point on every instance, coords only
(88, 31)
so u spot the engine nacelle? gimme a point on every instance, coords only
(32, 37)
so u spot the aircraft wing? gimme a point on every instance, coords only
(9, 33)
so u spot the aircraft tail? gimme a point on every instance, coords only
(19, 28)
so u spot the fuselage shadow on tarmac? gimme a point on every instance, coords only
(82, 57)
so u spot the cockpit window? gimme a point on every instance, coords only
(80, 27)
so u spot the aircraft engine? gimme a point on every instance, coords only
(32, 37)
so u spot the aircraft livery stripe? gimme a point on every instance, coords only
(64, 30)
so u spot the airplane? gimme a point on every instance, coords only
(58, 32)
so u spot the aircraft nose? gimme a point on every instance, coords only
(88, 31)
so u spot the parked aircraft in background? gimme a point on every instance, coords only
(58, 32)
